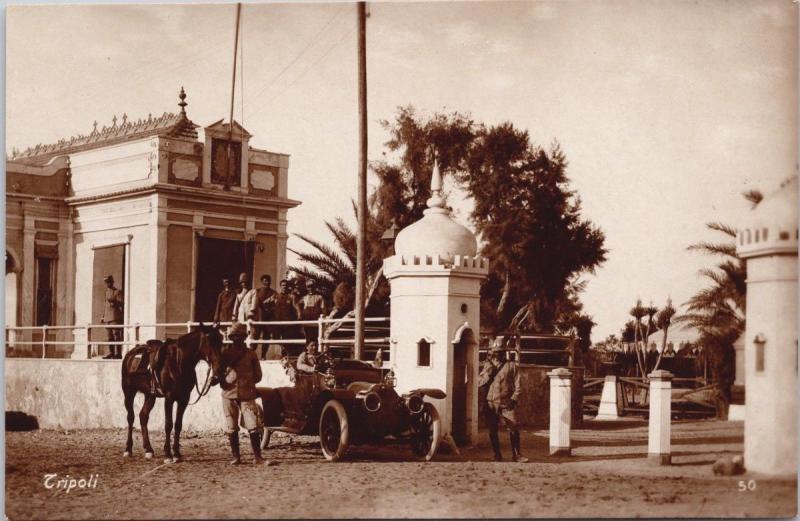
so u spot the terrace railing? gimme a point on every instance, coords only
(55, 341)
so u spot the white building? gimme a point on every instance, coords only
(768, 242)
(435, 278)
(166, 214)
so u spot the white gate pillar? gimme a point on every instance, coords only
(560, 411)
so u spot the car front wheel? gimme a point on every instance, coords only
(426, 431)
(334, 432)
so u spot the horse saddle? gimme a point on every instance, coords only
(156, 352)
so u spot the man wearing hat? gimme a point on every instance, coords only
(246, 306)
(242, 373)
(500, 379)
(112, 314)
(225, 302)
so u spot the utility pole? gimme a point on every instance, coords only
(361, 242)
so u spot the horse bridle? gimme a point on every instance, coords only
(207, 384)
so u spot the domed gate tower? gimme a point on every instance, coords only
(768, 242)
(435, 279)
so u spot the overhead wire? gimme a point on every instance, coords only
(311, 66)
(305, 49)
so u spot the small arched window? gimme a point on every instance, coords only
(423, 353)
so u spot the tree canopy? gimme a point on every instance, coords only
(528, 219)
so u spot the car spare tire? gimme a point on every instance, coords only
(334, 430)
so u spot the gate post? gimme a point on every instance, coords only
(560, 411)
(658, 446)
(608, 409)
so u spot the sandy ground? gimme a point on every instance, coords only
(607, 476)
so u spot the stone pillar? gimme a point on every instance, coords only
(608, 400)
(560, 411)
(658, 446)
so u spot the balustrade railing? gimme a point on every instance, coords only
(54, 341)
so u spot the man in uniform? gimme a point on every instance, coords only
(242, 373)
(307, 361)
(265, 296)
(500, 379)
(226, 300)
(245, 306)
(283, 310)
(112, 314)
(311, 306)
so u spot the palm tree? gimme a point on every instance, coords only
(718, 311)
(328, 266)
(637, 312)
(663, 321)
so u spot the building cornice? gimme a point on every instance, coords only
(207, 195)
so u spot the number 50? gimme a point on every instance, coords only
(749, 485)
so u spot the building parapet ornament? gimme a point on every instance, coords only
(771, 227)
(168, 124)
(462, 263)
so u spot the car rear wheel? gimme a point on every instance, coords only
(334, 431)
(426, 431)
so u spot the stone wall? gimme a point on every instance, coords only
(533, 409)
(86, 394)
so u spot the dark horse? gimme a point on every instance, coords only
(176, 377)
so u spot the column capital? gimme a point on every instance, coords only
(561, 372)
(661, 375)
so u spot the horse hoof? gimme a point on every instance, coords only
(126, 454)
(168, 460)
(148, 455)
(177, 459)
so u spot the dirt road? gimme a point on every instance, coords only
(607, 476)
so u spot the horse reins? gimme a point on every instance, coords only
(207, 384)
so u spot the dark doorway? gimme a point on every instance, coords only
(459, 425)
(109, 260)
(216, 260)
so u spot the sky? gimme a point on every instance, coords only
(667, 111)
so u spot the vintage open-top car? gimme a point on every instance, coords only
(350, 402)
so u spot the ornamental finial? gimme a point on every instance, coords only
(182, 103)
(436, 200)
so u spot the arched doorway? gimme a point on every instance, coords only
(465, 358)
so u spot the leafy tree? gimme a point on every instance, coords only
(529, 220)
(404, 181)
(531, 227)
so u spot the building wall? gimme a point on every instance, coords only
(126, 222)
(86, 394)
(180, 245)
(771, 412)
(114, 168)
(427, 305)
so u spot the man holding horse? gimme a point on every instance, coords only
(239, 393)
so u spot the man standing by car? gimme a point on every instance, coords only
(239, 394)
(500, 379)
(112, 314)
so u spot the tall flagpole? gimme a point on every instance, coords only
(362, 181)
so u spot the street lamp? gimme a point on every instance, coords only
(388, 237)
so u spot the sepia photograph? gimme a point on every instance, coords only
(401, 259)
